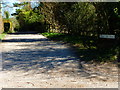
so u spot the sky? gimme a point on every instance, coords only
(13, 9)
(10, 9)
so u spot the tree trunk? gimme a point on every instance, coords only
(1, 21)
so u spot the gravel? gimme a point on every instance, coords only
(33, 61)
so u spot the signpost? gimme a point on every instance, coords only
(107, 36)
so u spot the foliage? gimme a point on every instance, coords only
(107, 16)
(80, 15)
(52, 35)
(7, 15)
(30, 19)
(83, 18)
(2, 36)
(15, 23)
(19, 4)
(86, 18)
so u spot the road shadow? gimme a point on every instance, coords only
(42, 56)
(24, 40)
(27, 32)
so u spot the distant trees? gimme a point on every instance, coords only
(29, 18)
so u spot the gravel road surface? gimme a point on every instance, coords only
(33, 61)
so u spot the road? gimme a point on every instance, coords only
(33, 61)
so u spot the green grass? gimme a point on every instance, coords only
(2, 36)
(51, 34)
(63, 37)
(87, 47)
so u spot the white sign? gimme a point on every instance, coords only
(107, 36)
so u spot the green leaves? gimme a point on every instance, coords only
(30, 18)
(20, 4)
(7, 15)
(2, 35)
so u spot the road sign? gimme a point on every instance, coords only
(107, 36)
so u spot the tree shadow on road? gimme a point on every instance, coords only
(43, 54)
(41, 57)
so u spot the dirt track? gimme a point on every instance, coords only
(33, 61)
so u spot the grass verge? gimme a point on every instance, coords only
(87, 47)
(2, 36)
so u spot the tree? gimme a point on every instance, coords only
(7, 15)
(1, 22)
(29, 18)
(107, 16)
(73, 17)
(3, 5)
